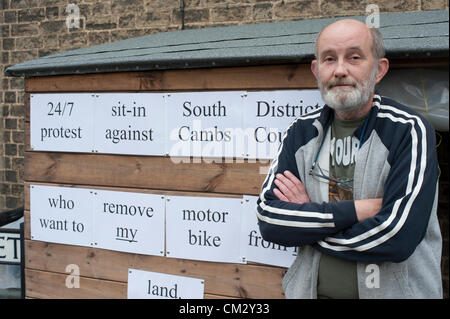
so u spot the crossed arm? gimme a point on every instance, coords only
(290, 189)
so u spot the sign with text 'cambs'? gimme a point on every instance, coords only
(204, 124)
(203, 228)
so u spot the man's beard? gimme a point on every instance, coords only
(348, 98)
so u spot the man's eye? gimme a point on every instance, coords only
(328, 59)
(355, 57)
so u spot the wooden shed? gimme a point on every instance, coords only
(250, 58)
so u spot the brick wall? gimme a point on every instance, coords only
(34, 28)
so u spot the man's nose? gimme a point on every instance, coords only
(341, 69)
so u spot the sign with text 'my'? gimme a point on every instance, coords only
(217, 124)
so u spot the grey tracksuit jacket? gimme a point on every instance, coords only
(398, 252)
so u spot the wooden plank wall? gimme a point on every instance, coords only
(104, 272)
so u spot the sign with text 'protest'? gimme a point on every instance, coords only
(204, 228)
(151, 285)
(62, 122)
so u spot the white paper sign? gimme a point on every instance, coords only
(203, 228)
(151, 285)
(62, 122)
(61, 215)
(204, 123)
(268, 114)
(257, 249)
(129, 123)
(130, 222)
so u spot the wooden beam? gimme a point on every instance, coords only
(144, 172)
(291, 76)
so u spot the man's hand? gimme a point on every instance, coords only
(290, 189)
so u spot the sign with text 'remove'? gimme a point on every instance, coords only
(130, 222)
(151, 285)
(213, 124)
(203, 228)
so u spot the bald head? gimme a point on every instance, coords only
(355, 28)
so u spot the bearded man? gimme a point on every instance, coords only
(354, 184)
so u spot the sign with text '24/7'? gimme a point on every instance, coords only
(62, 122)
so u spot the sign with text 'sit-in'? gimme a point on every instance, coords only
(129, 123)
(62, 122)
(151, 285)
(130, 222)
(256, 248)
(61, 215)
(203, 228)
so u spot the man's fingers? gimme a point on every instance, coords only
(283, 188)
(280, 195)
(283, 179)
(294, 180)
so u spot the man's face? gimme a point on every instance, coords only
(346, 70)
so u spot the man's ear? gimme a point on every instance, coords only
(383, 67)
(314, 68)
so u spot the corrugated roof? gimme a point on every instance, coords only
(406, 34)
